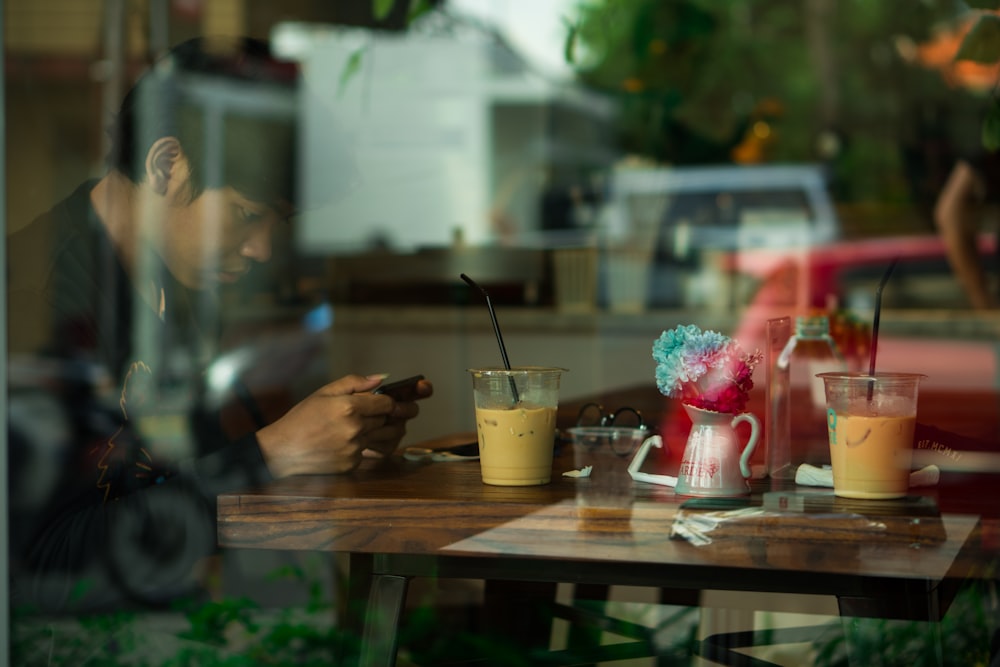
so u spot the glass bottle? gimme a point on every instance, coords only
(810, 350)
(853, 339)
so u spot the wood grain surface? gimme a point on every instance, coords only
(442, 510)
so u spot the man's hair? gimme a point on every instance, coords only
(232, 106)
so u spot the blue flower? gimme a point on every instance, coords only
(684, 354)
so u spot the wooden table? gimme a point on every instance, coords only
(399, 519)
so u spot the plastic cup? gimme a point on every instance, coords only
(516, 437)
(607, 450)
(870, 421)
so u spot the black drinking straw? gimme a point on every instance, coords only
(878, 313)
(496, 330)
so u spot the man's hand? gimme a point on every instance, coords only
(328, 431)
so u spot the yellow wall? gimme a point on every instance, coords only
(52, 27)
(55, 122)
(76, 27)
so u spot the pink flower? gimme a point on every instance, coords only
(704, 370)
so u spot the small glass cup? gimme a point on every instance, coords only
(607, 451)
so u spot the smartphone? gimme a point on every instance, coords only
(466, 450)
(401, 390)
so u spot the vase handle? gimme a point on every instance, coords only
(751, 442)
(640, 456)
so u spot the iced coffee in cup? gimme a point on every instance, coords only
(516, 423)
(870, 421)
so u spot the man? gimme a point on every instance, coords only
(111, 293)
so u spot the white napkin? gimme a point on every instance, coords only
(694, 527)
(808, 475)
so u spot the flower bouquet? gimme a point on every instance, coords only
(704, 369)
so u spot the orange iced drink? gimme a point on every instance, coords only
(870, 421)
(515, 444)
(871, 455)
(516, 423)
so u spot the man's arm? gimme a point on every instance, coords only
(956, 215)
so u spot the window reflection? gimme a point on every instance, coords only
(114, 301)
(684, 162)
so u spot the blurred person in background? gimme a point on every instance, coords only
(113, 319)
(960, 214)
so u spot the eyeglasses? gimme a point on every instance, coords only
(622, 430)
(593, 414)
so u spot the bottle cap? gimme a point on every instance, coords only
(812, 325)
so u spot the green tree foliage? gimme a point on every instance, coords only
(982, 45)
(692, 77)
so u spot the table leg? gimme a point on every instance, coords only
(379, 637)
(372, 611)
(583, 638)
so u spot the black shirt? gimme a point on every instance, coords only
(130, 476)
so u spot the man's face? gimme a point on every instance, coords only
(213, 238)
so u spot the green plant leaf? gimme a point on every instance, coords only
(417, 9)
(569, 50)
(293, 572)
(991, 128)
(381, 8)
(982, 44)
(80, 589)
(983, 4)
(351, 68)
